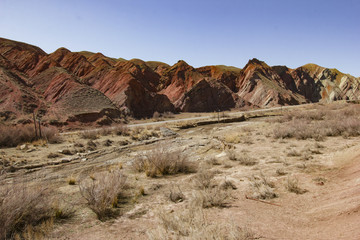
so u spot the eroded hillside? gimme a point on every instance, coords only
(66, 85)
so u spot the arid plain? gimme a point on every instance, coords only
(283, 174)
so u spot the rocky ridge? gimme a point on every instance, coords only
(85, 87)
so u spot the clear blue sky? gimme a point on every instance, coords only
(229, 32)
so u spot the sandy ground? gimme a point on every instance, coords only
(329, 170)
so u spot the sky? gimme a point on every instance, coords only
(221, 32)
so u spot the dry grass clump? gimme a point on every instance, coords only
(262, 188)
(53, 155)
(144, 134)
(213, 161)
(91, 145)
(212, 197)
(232, 138)
(321, 123)
(161, 161)
(292, 185)
(203, 179)
(246, 160)
(71, 181)
(176, 195)
(228, 184)
(121, 130)
(281, 172)
(168, 115)
(192, 223)
(51, 135)
(293, 153)
(23, 207)
(186, 124)
(11, 136)
(211, 194)
(311, 115)
(243, 159)
(230, 153)
(89, 134)
(101, 192)
(105, 131)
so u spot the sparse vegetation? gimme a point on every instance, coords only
(232, 138)
(293, 153)
(212, 197)
(161, 161)
(192, 223)
(176, 195)
(281, 172)
(105, 131)
(203, 179)
(53, 155)
(89, 134)
(292, 185)
(91, 145)
(262, 188)
(11, 136)
(71, 181)
(243, 159)
(23, 207)
(159, 178)
(156, 116)
(318, 124)
(101, 192)
(246, 160)
(228, 184)
(121, 130)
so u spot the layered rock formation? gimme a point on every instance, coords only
(85, 86)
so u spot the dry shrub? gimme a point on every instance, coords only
(262, 188)
(168, 115)
(105, 131)
(11, 136)
(281, 172)
(186, 124)
(243, 159)
(51, 135)
(102, 192)
(137, 130)
(121, 130)
(228, 184)
(213, 161)
(156, 116)
(71, 181)
(293, 153)
(211, 194)
(246, 160)
(22, 207)
(231, 154)
(212, 197)
(321, 123)
(63, 209)
(145, 134)
(91, 145)
(53, 155)
(176, 195)
(292, 185)
(232, 138)
(192, 223)
(161, 161)
(89, 134)
(203, 179)
(40, 231)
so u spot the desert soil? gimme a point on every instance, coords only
(328, 171)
